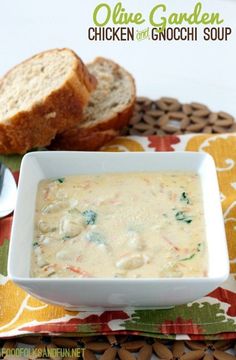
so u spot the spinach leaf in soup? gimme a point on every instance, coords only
(185, 198)
(181, 216)
(67, 237)
(190, 257)
(60, 180)
(90, 217)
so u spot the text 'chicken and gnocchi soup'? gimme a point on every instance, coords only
(120, 225)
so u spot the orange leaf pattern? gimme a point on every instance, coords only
(25, 314)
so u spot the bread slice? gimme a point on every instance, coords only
(41, 97)
(109, 109)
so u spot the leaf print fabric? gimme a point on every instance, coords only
(213, 317)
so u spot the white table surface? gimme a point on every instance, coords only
(191, 71)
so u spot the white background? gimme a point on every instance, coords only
(190, 71)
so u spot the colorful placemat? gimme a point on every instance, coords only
(212, 317)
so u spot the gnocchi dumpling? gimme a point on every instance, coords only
(71, 226)
(45, 226)
(130, 262)
(54, 207)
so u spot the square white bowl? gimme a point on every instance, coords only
(109, 292)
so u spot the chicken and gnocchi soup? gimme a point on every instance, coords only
(120, 225)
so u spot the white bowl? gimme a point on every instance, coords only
(115, 293)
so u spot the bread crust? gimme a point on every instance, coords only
(61, 109)
(92, 139)
(83, 137)
(90, 142)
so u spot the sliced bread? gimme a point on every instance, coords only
(109, 109)
(41, 97)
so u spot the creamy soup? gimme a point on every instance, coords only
(123, 225)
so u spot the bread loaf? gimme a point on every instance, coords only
(109, 109)
(42, 97)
